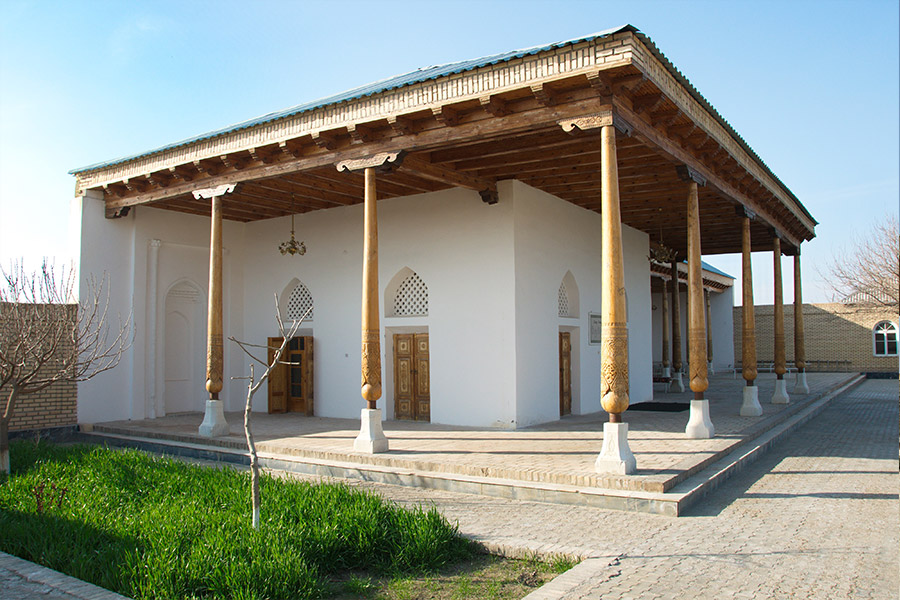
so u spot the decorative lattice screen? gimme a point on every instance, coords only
(299, 302)
(412, 298)
(564, 310)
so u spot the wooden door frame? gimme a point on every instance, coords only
(388, 363)
(574, 332)
(310, 411)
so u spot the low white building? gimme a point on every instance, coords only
(489, 239)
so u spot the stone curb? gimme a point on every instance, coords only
(56, 581)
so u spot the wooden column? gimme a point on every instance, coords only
(665, 330)
(614, 346)
(780, 396)
(371, 438)
(371, 330)
(800, 387)
(750, 406)
(214, 345)
(709, 343)
(699, 424)
(748, 318)
(697, 326)
(677, 364)
(214, 423)
(780, 361)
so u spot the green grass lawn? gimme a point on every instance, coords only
(150, 527)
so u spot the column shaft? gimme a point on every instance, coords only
(214, 314)
(371, 330)
(697, 325)
(748, 320)
(665, 325)
(676, 321)
(614, 346)
(780, 362)
(799, 345)
(709, 343)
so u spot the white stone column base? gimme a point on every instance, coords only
(214, 423)
(800, 385)
(667, 372)
(751, 406)
(699, 425)
(615, 456)
(678, 382)
(781, 394)
(710, 370)
(371, 438)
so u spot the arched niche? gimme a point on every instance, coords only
(295, 301)
(184, 347)
(406, 295)
(568, 305)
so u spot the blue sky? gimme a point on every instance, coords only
(811, 86)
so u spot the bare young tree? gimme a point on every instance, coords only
(870, 271)
(253, 385)
(47, 336)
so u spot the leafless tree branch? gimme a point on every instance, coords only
(870, 271)
(48, 336)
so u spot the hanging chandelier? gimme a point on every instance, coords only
(292, 247)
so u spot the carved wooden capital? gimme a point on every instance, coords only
(687, 173)
(208, 193)
(592, 122)
(383, 161)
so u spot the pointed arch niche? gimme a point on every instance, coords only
(406, 295)
(568, 296)
(295, 300)
(184, 348)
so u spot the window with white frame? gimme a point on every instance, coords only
(884, 338)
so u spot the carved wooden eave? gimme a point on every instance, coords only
(526, 118)
(712, 281)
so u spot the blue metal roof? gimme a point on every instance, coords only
(398, 81)
(708, 267)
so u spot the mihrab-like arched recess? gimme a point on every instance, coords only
(568, 296)
(296, 300)
(406, 295)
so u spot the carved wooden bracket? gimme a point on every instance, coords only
(117, 213)
(603, 118)
(743, 211)
(383, 162)
(687, 173)
(209, 193)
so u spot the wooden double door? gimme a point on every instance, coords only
(565, 373)
(291, 385)
(412, 391)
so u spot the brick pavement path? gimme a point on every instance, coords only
(816, 517)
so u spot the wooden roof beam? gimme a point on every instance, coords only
(647, 103)
(183, 172)
(445, 116)
(417, 166)
(494, 106)
(645, 131)
(360, 133)
(544, 94)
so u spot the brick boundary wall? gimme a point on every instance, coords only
(53, 407)
(834, 332)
